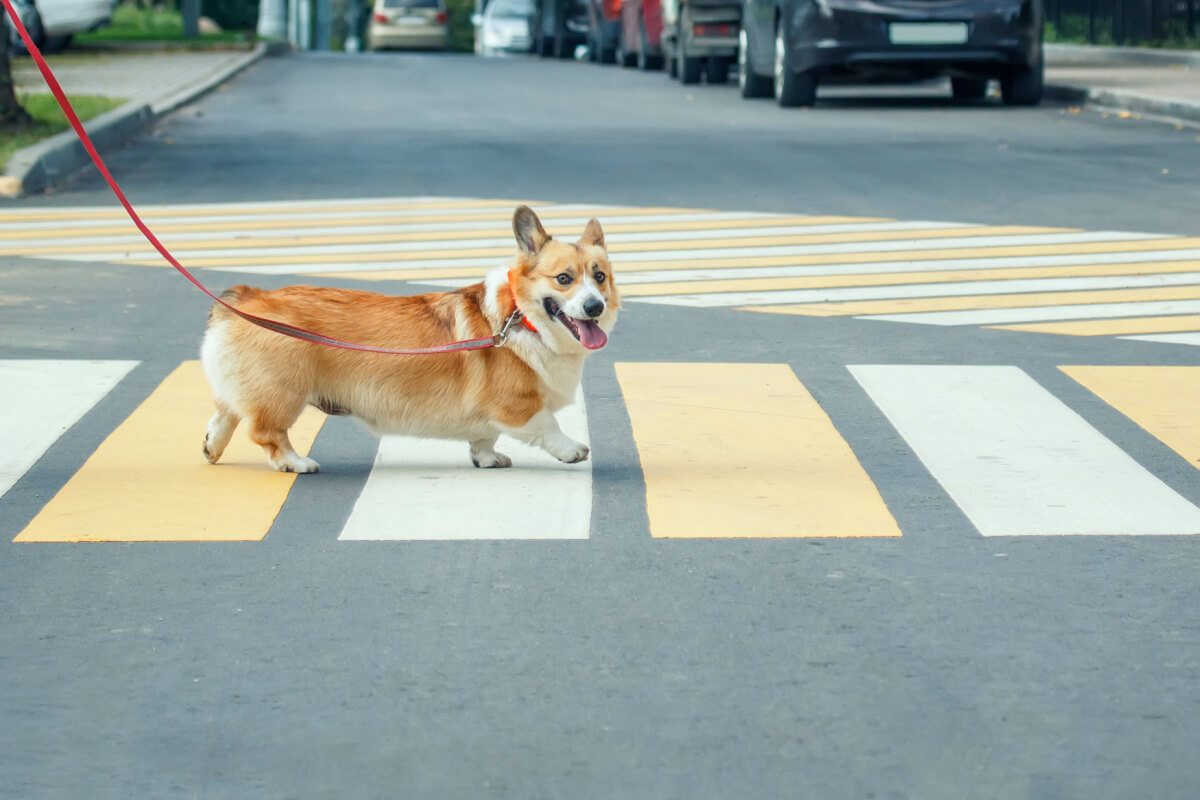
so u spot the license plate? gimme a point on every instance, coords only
(410, 20)
(928, 32)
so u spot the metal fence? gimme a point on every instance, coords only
(1126, 22)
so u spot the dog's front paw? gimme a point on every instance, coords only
(570, 452)
(293, 462)
(492, 460)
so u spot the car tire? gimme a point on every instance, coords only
(750, 84)
(645, 61)
(1024, 88)
(625, 59)
(792, 89)
(56, 44)
(716, 70)
(968, 89)
(671, 63)
(33, 23)
(561, 48)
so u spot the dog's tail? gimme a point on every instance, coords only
(235, 296)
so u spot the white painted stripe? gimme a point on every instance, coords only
(919, 290)
(1004, 316)
(663, 255)
(429, 490)
(1192, 338)
(1016, 460)
(655, 276)
(41, 400)
(561, 225)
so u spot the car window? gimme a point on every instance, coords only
(411, 3)
(512, 8)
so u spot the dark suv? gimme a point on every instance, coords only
(559, 26)
(787, 46)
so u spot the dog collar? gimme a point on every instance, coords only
(517, 311)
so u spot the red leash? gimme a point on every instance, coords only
(273, 325)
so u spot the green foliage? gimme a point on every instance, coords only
(232, 15)
(49, 120)
(164, 23)
(462, 33)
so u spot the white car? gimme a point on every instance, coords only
(52, 23)
(504, 27)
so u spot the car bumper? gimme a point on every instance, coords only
(859, 36)
(407, 36)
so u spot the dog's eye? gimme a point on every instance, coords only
(599, 277)
(563, 279)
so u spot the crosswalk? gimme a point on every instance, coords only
(725, 451)
(1132, 285)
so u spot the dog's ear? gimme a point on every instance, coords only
(531, 236)
(592, 234)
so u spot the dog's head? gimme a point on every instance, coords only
(565, 290)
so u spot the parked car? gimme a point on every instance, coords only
(53, 23)
(641, 34)
(787, 46)
(559, 27)
(700, 37)
(409, 24)
(604, 30)
(505, 26)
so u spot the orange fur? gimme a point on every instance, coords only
(268, 378)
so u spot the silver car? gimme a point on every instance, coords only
(506, 26)
(408, 24)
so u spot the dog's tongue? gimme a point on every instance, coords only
(590, 335)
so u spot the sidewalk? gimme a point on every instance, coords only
(1160, 83)
(153, 83)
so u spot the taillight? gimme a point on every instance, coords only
(441, 16)
(380, 17)
(713, 30)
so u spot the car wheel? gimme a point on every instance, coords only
(56, 44)
(671, 62)
(689, 68)
(750, 84)
(716, 70)
(1024, 88)
(645, 61)
(561, 48)
(791, 88)
(967, 89)
(33, 23)
(624, 57)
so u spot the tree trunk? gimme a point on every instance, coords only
(11, 112)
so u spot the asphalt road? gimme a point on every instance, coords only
(940, 663)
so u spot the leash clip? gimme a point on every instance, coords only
(500, 337)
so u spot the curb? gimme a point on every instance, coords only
(49, 162)
(1080, 55)
(1174, 109)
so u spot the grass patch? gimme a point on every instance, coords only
(164, 24)
(48, 119)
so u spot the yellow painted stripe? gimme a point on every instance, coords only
(486, 229)
(743, 450)
(899, 278)
(149, 482)
(819, 281)
(1144, 245)
(327, 240)
(1110, 327)
(265, 208)
(972, 302)
(1162, 400)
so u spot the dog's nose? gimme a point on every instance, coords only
(593, 307)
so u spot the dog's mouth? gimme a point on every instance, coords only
(585, 331)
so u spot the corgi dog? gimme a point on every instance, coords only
(567, 304)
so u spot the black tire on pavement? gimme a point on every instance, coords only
(625, 59)
(1026, 87)
(645, 61)
(968, 89)
(56, 44)
(750, 84)
(672, 63)
(716, 70)
(792, 89)
(561, 48)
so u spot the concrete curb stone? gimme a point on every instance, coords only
(1061, 55)
(43, 165)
